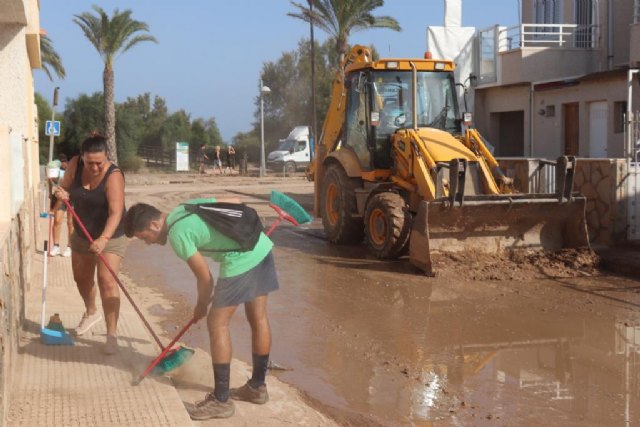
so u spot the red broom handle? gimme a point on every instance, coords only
(115, 276)
(282, 214)
(164, 352)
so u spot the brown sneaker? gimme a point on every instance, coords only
(246, 393)
(210, 407)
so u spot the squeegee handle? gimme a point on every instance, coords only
(164, 353)
(113, 273)
(282, 214)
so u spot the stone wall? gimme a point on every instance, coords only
(16, 265)
(601, 181)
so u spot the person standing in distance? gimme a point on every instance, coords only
(231, 158)
(95, 187)
(203, 158)
(58, 208)
(245, 278)
(217, 160)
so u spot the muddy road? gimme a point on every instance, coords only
(488, 342)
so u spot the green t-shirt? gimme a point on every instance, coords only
(192, 234)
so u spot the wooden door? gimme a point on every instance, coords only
(571, 116)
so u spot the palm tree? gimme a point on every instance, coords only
(111, 36)
(341, 17)
(50, 58)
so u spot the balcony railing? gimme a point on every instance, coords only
(549, 35)
(494, 39)
(636, 11)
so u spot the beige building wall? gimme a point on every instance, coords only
(634, 45)
(19, 176)
(540, 81)
(621, 19)
(550, 130)
(503, 99)
(547, 114)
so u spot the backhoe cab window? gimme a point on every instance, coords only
(393, 97)
(356, 128)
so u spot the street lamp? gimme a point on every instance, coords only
(263, 91)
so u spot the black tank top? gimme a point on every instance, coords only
(92, 206)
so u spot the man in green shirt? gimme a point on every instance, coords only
(245, 278)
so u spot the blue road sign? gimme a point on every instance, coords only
(52, 128)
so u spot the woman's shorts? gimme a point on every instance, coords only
(117, 246)
(245, 287)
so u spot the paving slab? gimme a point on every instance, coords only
(78, 385)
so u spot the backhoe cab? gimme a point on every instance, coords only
(394, 167)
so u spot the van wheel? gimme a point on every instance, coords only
(290, 167)
(339, 210)
(387, 225)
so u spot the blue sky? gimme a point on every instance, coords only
(210, 52)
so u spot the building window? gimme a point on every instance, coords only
(587, 20)
(547, 11)
(619, 116)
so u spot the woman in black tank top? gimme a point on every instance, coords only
(95, 187)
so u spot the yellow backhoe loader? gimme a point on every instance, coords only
(393, 166)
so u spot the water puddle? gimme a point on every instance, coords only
(375, 339)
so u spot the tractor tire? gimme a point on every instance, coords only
(387, 225)
(289, 167)
(339, 208)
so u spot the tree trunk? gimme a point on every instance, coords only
(109, 113)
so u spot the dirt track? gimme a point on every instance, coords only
(489, 341)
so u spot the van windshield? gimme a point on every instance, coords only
(286, 145)
(292, 145)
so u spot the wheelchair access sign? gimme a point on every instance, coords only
(52, 128)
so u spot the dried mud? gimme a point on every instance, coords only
(518, 265)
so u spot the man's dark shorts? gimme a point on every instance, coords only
(245, 287)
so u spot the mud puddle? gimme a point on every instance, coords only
(374, 342)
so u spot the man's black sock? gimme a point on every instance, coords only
(260, 365)
(221, 374)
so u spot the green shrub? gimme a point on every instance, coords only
(131, 163)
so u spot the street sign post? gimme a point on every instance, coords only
(48, 128)
(52, 127)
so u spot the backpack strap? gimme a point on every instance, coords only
(199, 249)
(179, 219)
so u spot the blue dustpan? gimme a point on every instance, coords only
(48, 335)
(53, 337)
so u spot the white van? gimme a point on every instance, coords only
(293, 153)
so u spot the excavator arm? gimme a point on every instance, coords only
(334, 120)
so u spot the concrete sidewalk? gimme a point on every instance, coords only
(78, 385)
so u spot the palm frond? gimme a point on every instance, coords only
(339, 18)
(50, 59)
(112, 35)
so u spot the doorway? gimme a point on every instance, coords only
(598, 112)
(571, 114)
(510, 133)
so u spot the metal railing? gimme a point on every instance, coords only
(156, 156)
(549, 35)
(636, 11)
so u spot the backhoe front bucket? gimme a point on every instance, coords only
(497, 224)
